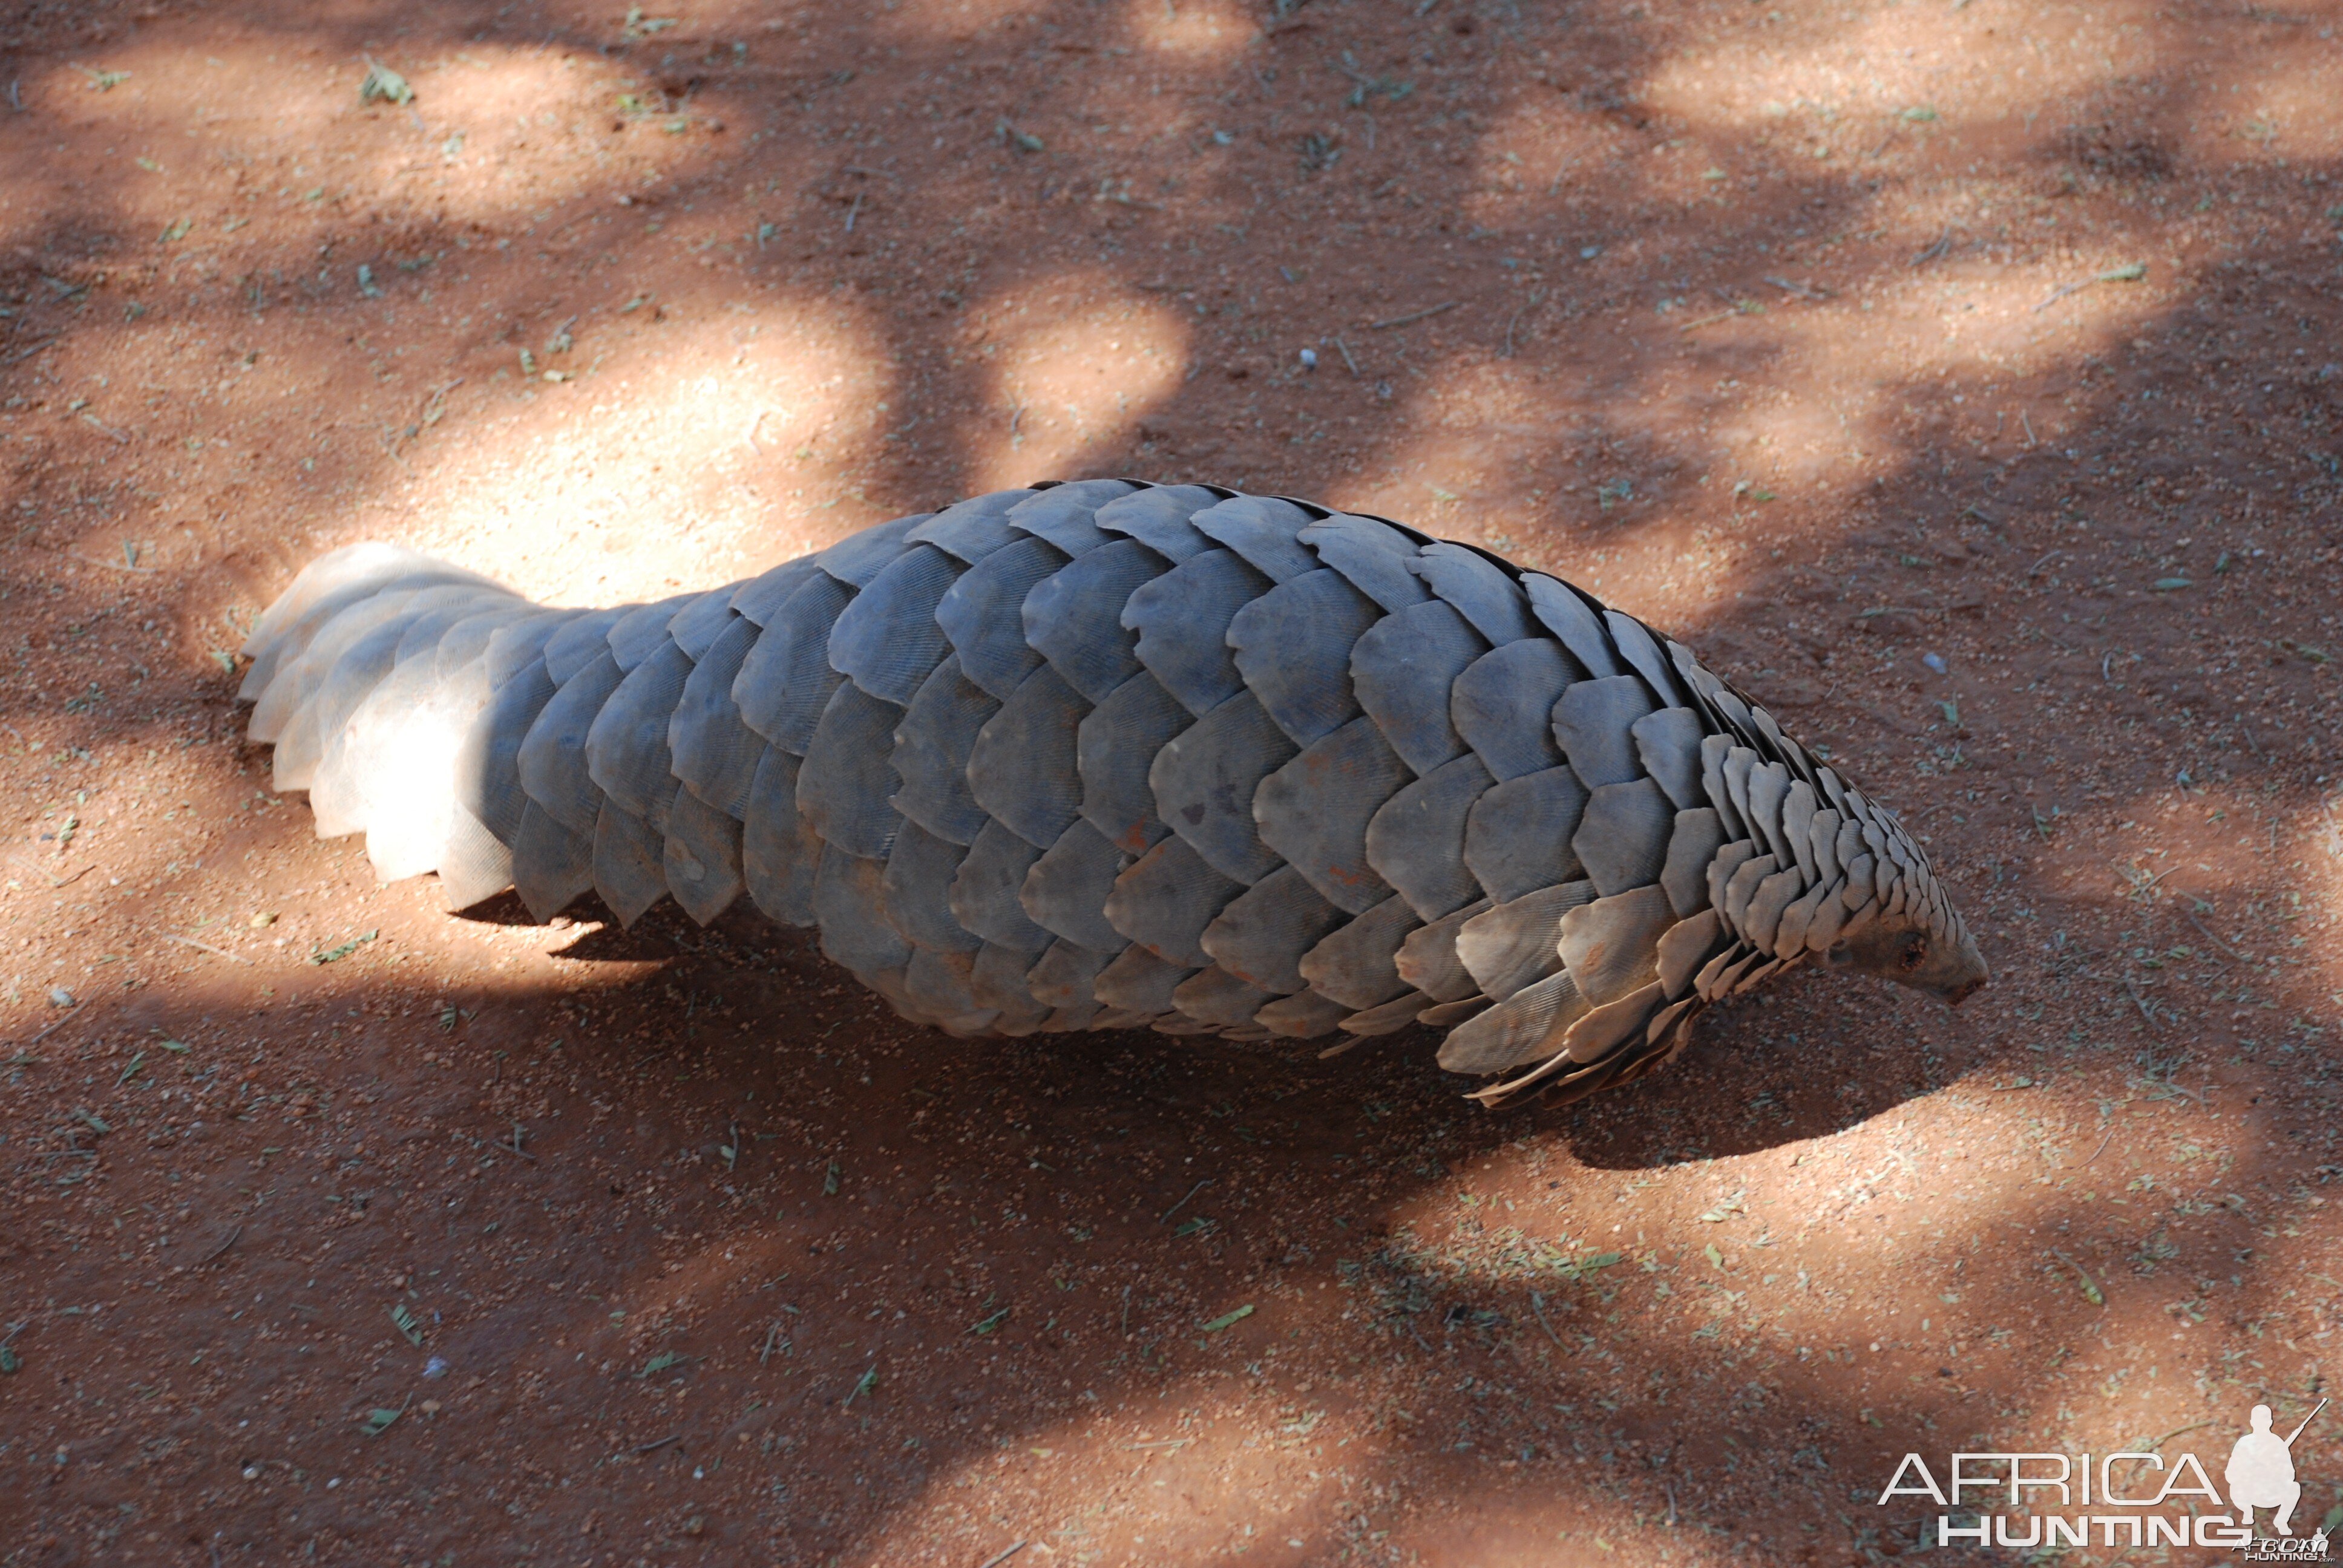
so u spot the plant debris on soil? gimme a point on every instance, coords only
(1966, 381)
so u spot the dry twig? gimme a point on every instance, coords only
(1412, 316)
(206, 948)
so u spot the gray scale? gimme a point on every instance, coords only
(1111, 754)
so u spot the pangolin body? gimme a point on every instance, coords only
(1106, 754)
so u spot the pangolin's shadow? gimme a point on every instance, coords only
(662, 933)
(1811, 1056)
(507, 909)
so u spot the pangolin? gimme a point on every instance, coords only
(1107, 755)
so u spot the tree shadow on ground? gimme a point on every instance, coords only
(707, 1145)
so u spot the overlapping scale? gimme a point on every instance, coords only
(1110, 754)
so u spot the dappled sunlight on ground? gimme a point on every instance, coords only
(1816, 339)
(719, 455)
(1075, 374)
(1203, 31)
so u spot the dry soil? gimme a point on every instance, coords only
(1964, 379)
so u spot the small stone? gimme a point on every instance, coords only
(1935, 662)
(60, 997)
(1310, 359)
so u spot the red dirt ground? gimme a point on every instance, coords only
(664, 1245)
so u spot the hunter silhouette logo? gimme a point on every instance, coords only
(2261, 1471)
(2132, 1498)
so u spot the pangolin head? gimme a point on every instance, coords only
(1911, 934)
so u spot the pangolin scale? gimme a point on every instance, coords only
(1106, 754)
